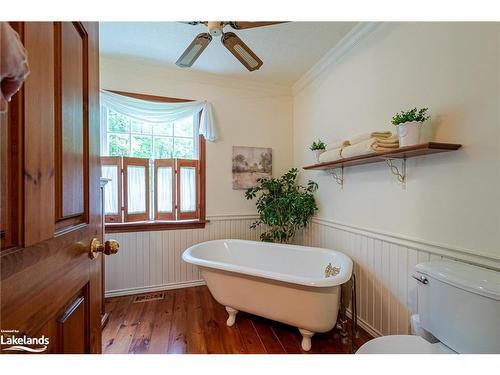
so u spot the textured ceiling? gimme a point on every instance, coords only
(288, 50)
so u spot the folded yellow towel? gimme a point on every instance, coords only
(379, 148)
(368, 146)
(364, 137)
(381, 134)
(330, 155)
(337, 144)
(388, 141)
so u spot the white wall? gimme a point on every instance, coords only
(246, 114)
(451, 200)
(451, 205)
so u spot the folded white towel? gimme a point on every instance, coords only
(364, 137)
(330, 155)
(360, 148)
(337, 144)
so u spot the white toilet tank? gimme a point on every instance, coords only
(460, 305)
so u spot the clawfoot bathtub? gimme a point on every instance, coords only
(295, 285)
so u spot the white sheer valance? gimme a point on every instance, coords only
(155, 112)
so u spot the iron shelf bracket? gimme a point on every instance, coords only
(399, 173)
(338, 178)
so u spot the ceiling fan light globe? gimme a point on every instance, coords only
(215, 28)
(215, 32)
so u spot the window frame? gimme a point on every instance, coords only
(159, 223)
(115, 161)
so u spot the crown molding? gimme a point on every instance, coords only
(348, 42)
(137, 66)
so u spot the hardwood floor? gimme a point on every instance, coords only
(190, 321)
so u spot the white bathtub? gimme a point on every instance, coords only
(286, 283)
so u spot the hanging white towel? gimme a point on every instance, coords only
(13, 64)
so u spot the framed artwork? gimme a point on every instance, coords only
(249, 164)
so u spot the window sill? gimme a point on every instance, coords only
(146, 226)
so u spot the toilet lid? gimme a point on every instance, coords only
(402, 344)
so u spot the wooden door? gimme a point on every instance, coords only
(50, 287)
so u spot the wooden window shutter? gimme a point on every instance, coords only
(136, 189)
(188, 192)
(111, 167)
(165, 189)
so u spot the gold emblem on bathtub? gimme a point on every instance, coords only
(331, 270)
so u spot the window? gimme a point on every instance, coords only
(128, 137)
(155, 171)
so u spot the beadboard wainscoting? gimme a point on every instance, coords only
(383, 265)
(152, 261)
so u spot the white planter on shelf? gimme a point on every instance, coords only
(317, 153)
(409, 133)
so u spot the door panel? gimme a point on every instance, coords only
(49, 285)
(71, 119)
(72, 327)
(38, 114)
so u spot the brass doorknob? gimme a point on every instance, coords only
(109, 247)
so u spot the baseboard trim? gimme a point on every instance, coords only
(368, 328)
(154, 288)
(465, 255)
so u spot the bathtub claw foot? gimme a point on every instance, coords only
(306, 339)
(232, 315)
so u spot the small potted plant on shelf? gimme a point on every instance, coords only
(318, 148)
(409, 124)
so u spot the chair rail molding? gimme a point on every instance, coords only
(384, 264)
(480, 258)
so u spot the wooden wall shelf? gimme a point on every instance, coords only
(401, 153)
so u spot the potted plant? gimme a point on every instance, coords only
(318, 148)
(284, 206)
(409, 124)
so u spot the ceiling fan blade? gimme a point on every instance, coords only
(241, 51)
(239, 25)
(194, 50)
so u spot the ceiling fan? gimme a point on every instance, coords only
(229, 39)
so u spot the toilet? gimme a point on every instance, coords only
(458, 312)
